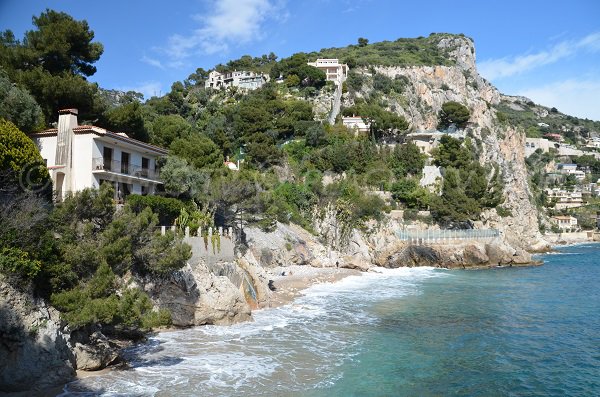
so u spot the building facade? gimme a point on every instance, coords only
(334, 70)
(84, 156)
(356, 123)
(564, 199)
(565, 222)
(241, 79)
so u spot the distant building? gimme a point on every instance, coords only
(334, 70)
(565, 222)
(533, 144)
(571, 169)
(241, 79)
(593, 143)
(555, 137)
(85, 156)
(562, 149)
(356, 123)
(565, 199)
(427, 140)
(543, 125)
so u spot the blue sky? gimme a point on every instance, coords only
(546, 50)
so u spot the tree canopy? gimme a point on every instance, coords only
(454, 113)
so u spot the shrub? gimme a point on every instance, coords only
(167, 209)
(14, 261)
(20, 156)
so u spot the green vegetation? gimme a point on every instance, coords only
(401, 52)
(468, 187)
(454, 113)
(528, 115)
(18, 106)
(20, 159)
(382, 122)
(77, 252)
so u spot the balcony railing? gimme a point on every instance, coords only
(99, 164)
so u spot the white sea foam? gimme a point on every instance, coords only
(302, 343)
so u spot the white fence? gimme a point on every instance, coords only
(425, 237)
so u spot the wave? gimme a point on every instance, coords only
(302, 343)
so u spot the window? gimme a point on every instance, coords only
(107, 158)
(145, 165)
(124, 163)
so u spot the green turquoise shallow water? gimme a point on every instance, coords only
(406, 332)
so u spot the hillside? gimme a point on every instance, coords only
(441, 154)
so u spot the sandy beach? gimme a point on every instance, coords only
(290, 281)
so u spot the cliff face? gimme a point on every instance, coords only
(35, 353)
(428, 88)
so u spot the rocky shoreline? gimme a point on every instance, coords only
(274, 268)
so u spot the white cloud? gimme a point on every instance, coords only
(574, 97)
(493, 69)
(228, 22)
(152, 62)
(148, 88)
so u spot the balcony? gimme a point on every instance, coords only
(114, 166)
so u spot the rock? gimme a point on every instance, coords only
(35, 351)
(499, 254)
(97, 354)
(355, 262)
(475, 254)
(195, 296)
(412, 256)
(521, 257)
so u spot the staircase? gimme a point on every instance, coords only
(337, 103)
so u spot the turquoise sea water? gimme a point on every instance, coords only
(405, 332)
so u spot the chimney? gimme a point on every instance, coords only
(67, 120)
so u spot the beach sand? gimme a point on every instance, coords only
(290, 281)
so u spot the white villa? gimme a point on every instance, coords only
(356, 123)
(241, 79)
(565, 222)
(334, 70)
(85, 156)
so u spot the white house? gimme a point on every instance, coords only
(570, 169)
(565, 222)
(334, 70)
(242, 79)
(533, 144)
(356, 123)
(85, 156)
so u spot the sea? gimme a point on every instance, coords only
(512, 331)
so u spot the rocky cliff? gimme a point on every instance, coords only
(428, 88)
(35, 351)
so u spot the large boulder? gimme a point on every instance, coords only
(196, 296)
(96, 353)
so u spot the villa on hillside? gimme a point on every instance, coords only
(85, 156)
(334, 70)
(356, 123)
(565, 222)
(562, 149)
(242, 79)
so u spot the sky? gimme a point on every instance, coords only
(546, 50)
